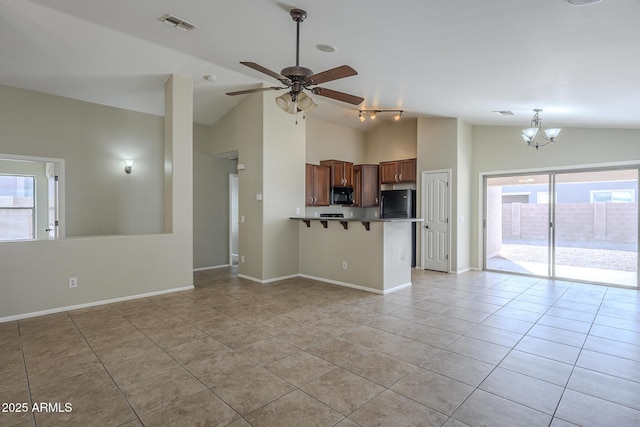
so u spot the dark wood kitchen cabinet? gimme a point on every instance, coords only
(398, 171)
(341, 172)
(317, 185)
(365, 185)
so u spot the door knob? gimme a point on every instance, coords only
(426, 226)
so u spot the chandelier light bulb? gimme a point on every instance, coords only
(552, 133)
(530, 133)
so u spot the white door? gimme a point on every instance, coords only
(435, 229)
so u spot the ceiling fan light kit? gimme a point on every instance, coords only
(548, 135)
(291, 105)
(297, 79)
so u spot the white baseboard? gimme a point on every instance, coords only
(264, 282)
(211, 268)
(464, 270)
(351, 285)
(91, 304)
(397, 288)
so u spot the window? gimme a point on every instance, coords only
(615, 196)
(17, 207)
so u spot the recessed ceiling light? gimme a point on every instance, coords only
(210, 78)
(326, 48)
(581, 2)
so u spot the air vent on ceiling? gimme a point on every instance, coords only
(176, 22)
(504, 113)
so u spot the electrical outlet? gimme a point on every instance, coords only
(242, 259)
(73, 282)
(344, 265)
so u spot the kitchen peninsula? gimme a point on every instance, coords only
(371, 254)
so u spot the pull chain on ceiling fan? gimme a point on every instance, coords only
(297, 79)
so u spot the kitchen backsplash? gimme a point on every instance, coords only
(349, 212)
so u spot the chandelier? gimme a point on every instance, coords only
(548, 135)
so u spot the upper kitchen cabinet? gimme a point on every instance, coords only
(365, 185)
(398, 171)
(341, 172)
(317, 185)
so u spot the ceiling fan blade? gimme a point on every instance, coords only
(266, 71)
(332, 74)
(340, 96)
(260, 89)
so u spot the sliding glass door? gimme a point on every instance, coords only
(517, 224)
(587, 230)
(596, 226)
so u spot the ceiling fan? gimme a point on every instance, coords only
(297, 79)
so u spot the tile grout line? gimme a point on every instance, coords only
(256, 295)
(26, 373)
(576, 362)
(498, 365)
(120, 391)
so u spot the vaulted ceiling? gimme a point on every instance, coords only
(432, 58)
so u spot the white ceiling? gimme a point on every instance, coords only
(442, 58)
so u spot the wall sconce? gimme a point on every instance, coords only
(128, 166)
(373, 114)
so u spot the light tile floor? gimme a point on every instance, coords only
(477, 349)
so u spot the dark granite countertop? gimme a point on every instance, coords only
(317, 218)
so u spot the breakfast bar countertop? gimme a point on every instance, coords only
(318, 218)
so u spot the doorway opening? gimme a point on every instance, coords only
(233, 219)
(576, 225)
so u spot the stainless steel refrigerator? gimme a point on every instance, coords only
(400, 204)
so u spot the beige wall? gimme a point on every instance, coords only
(378, 259)
(35, 273)
(391, 140)
(437, 150)
(500, 149)
(464, 190)
(283, 189)
(385, 141)
(326, 141)
(93, 140)
(210, 202)
(241, 130)
(272, 147)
